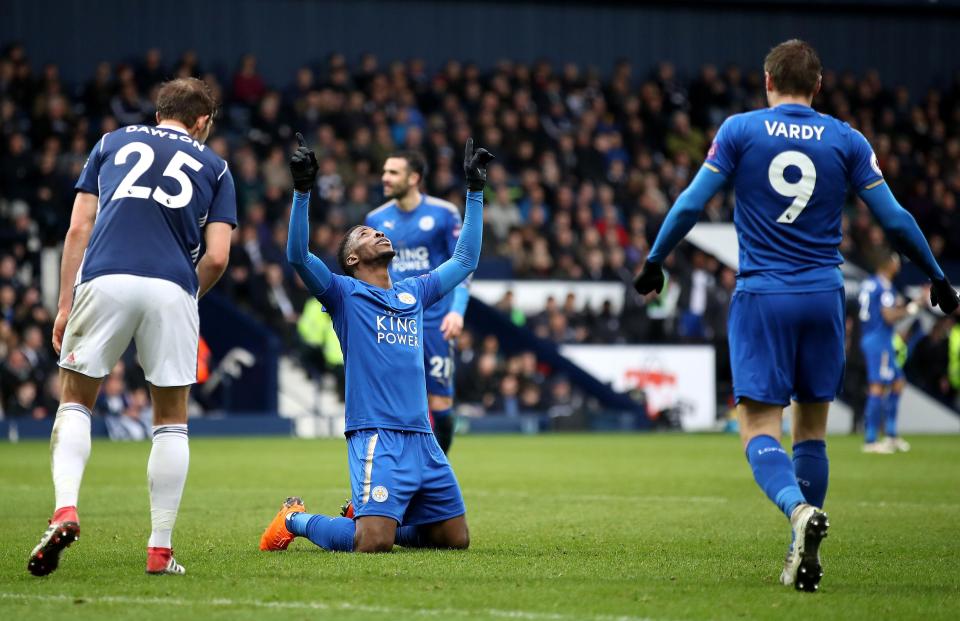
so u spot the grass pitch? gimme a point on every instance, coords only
(564, 527)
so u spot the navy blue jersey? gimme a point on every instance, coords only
(423, 238)
(381, 334)
(157, 189)
(791, 167)
(876, 293)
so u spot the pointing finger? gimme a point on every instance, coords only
(300, 139)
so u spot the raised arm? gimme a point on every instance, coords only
(315, 274)
(466, 255)
(907, 238)
(680, 219)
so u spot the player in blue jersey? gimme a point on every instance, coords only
(424, 232)
(790, 168)
(149, 234)
(879, 312)
(403, 488)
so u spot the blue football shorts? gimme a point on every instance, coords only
(402, 475)
(787, 346)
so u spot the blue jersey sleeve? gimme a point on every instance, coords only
(685, 212)
(724, 152)
(862, 163)
(461, 295)
(431, 289)
(224, 205)
(89, 176)
(315, 274)
(466, 255)
(901, 228)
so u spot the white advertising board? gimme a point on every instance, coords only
(671, 376)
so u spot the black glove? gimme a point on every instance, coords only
(303, 167)
(475, 166)
(649, 279)
(942, 294)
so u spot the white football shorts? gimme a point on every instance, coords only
(157, 314)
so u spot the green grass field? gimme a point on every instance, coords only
(563, 527)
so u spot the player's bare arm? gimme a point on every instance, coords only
(214, 262)
(81, 225)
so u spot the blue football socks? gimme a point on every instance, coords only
(812, 467)
(893, 406)
(330, 533)
(873, 413)
(773, 471)
(409, 537)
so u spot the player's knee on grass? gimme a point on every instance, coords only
(374, 534)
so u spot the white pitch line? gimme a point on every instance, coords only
(528, 615)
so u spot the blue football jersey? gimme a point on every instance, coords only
(381, 334)
(791, 167)
(423, 239)
(157, 189)
(876, 294)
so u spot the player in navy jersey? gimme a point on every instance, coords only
(149, 234)
(424, 232)
(403, 489)
(790, 168)
(879, 312)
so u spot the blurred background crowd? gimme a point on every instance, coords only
(588, 163)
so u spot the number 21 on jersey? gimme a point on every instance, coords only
(800, 190)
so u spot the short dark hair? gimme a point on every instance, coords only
(415, 161)
(343, 250)
(186, 100)
(794, 67)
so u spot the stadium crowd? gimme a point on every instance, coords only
(587, 166)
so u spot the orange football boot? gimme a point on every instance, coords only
(276, 536)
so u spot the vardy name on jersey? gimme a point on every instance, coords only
(157, 188)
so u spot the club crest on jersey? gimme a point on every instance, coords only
(388, 224)
(379, 493)
(427, 223)
(407, 298)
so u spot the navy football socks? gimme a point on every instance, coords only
(873, 414)
(330, 533)
(812, 467)
(443, 427)
(773, 471)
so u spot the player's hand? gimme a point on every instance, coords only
(451, 326)
(475, 166)
(943, 294)
(59, 327)
(303, 167)
(649, 279)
